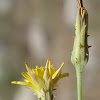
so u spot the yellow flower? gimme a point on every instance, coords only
(40, 80)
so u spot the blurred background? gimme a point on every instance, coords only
(32, 31)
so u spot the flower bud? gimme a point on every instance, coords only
(80, 52)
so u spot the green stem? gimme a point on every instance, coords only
(47, 95)
(79, 82)
(50, 95)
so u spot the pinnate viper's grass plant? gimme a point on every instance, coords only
(42, 80)
(80, 54)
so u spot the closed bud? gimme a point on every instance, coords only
(80, 52)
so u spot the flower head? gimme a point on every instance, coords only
(41, 79)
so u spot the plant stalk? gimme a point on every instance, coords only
(79, 82)
(49, 92)
(47, 95)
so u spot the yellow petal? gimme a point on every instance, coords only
(40, 72)
(29, 85)
(37, 81)
(28, 68)
(46, 72)
(58, 72)
(49, 66)
(27, 81)
(52, 70)
(56, 76)
(54, 81)
(27, 76)
(21, 83)
(64, 75)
